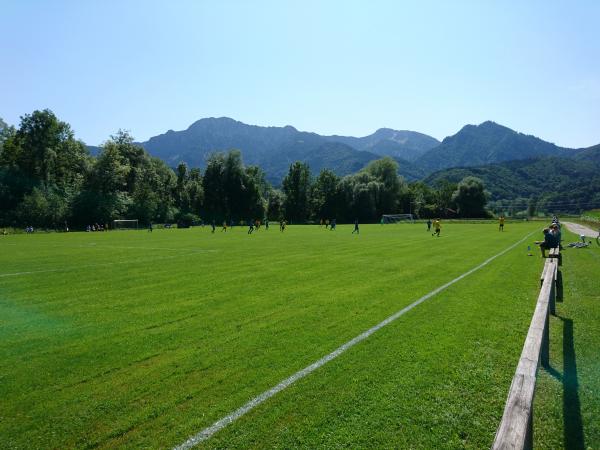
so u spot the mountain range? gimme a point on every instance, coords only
(505, 158)
(275, 148)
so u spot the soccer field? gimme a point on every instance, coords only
(137, 339)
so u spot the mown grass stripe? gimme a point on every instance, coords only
(253, 403)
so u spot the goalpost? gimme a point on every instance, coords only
(397, 218)
(129, 224)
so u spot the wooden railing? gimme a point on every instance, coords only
(516, 429)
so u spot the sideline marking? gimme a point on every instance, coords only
(222, 423)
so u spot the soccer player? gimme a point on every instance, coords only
(428, 224)
(326, 223)
(355, 227)
(150, 228)
(224, 227)
(332, 227)
(250, 226)
(267, 224)
(437, 226)
(501, 223)
(212, 224)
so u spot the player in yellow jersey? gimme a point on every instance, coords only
(437, 226)
(501, 223)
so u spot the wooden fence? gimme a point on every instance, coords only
(516, 429)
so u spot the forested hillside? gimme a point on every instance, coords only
(563, 183)
(487, 143)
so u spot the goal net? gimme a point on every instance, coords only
(131, 224)
(397, 218)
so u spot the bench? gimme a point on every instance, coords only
(555, 253)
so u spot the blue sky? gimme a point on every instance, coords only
(333, 67)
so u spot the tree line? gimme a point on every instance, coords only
(49, 179)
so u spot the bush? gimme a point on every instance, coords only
(186, 220)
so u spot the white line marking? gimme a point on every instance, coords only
(222, 423)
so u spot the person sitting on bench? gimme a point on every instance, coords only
(551, 240)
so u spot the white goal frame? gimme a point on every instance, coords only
(133, 222)
(397, 218)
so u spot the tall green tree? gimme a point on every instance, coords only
(296, 187)
(181, 194)
(275, 204)
(532, 206)
(6, 132)
(445, 203)
(212, 183)
(104, 196)
(385, 171)
(153, 195)
(43, 207)
(45, 149)
(189, 192)
(231, 190)
(260, 180)
(255, 205)
(235, 186)
(424, 200)
(325, 195)
(41, 154)
(195, 191)
(470, 197)
(360, 195)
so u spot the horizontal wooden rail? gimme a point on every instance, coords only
(516, 428)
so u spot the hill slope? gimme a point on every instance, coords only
(487, 143)
(591, 154)
(407, 145)
(558, 180)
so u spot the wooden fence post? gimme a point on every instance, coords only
(552, 300)
(545, 353)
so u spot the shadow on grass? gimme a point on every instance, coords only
(559, 286)
(573, 425)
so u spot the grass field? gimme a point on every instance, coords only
(593, 213)
(136, 339)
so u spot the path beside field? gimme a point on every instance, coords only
(580, 229)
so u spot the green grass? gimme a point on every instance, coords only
(132, 339)
(592, 213)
